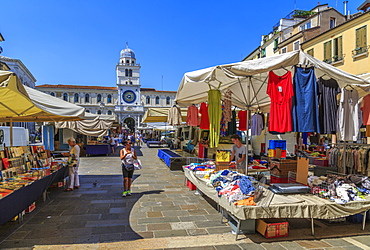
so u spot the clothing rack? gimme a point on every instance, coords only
(345, 144)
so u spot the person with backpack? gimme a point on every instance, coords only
(127, 156)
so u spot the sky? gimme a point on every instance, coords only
(78, 42)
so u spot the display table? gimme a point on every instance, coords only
(99, 149)
(152, 144)
(172, 160)
(282, 206)
(14, 203)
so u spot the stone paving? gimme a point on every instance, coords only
(162, 213)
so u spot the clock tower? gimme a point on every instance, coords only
(129, 107)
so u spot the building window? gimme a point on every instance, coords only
(126, 82)
(283, 50)
(168, 100)
(263, 52)
(87, 111)
(127, 61)
(310, 52)
(65, 97)
(361, 41)
(157, 100)
(332, 22)
(109, 112)
(130, 82)
(52, 94)
(327, 52)
(109, 99)
(276, 42)
(76, 97)
(87, 98)
(130, 72)
(133, 62)
(99, 112)
(126, 72)
(337, 49)
(98, 99)
(308, 25)
(302, 27)
(148, 100)
(296, 45)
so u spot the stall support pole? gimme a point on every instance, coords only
(364, 220)
(247, 124)
(312, 227)
(11, 132)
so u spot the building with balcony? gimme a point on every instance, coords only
(345, 46)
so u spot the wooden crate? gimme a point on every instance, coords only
(283, 167)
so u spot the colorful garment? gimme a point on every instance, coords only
(214, 113)
(305, 101)
(192, 116)
(257, 124)
(365, 108)
(204, 120)
(242, 115)
(174, 116)
(280, 90)
(227, 106)
(231, 126)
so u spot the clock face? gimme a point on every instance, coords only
(129, 96)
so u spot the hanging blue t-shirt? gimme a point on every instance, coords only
(305, 101)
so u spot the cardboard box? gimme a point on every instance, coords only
(272, 228)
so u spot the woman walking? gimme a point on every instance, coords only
(127, 155)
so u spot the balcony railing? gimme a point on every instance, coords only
(360, 51)
(337, 58)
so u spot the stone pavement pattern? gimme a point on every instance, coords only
(161, 214)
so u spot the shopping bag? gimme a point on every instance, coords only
(137, 165)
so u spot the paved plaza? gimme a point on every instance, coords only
(162, 213)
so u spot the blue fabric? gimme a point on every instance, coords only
(305, 113)
(305, 137)
(245, 184)
(225, 172)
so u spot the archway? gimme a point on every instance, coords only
(130, 122)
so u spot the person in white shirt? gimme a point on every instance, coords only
(74, 181)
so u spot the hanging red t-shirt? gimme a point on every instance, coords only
(242, 115)
(280, 90)
(204, 120)
(192, 116)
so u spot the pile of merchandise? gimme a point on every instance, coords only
(208, 165)
(340, 189)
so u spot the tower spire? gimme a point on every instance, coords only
(126, 45)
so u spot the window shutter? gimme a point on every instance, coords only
(340, 47)
(363, 35)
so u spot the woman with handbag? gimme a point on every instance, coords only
(127, 156)
(73, 164)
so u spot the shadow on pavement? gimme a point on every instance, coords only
(94, 213)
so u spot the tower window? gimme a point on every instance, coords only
(157, 100)
(126, 82)
(99, 112)
(168, 100)
(87, 98)
(65, 97)
(127, 61)
(130, 82)
(109, 99)
(76, 97)
(98, 98)
(109, 112)
(87, 111)
(148, 100)
(130, 72)
(126, 72)
(52, 94)
(132, 61)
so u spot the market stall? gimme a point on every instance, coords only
(245, 85)
(26, 172)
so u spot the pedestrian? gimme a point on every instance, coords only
(112, 143)
(127, 155)
(74, 159)
(239, 152)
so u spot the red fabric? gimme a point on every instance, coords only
(242, 115)
(192, 116)
(204, 120)
(201, 151)
(280, 90)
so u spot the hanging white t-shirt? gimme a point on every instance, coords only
(348, 115)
